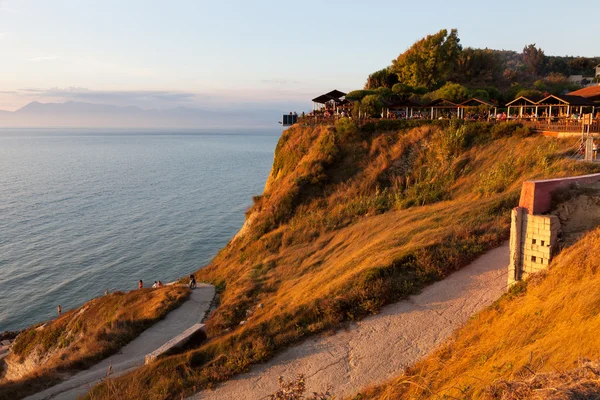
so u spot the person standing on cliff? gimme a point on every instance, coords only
(59, 309)
(140, 284)
(192, 281)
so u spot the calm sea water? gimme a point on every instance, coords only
(84, 211)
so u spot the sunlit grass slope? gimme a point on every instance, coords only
(351, 220)
(81, 337)
(545, 326)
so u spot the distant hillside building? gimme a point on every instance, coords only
(580, 80)
(598, 71)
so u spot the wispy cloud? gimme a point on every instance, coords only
(7, 9)
(45, 58)
(239, 99)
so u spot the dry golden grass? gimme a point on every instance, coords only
(350, 221)
(81, 337)
(545, 326)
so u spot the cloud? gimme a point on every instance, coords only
(45, 58)
(247, 100)
(140, 98)
(5, 8)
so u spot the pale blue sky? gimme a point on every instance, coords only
(209, 54)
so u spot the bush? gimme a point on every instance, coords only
(371, 105)
(359, 94)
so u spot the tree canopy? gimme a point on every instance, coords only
(429, 61)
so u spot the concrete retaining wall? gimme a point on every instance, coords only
(196, 332)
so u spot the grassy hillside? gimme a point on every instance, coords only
(532, 343)
(81, 337)
(351, 220)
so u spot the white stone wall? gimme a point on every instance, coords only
(533, 243)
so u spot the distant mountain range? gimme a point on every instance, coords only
(77, 114)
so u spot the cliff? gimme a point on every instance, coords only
(350, 220)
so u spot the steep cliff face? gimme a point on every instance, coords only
(350, 220)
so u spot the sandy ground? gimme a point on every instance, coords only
(132, 355)
(378, 348)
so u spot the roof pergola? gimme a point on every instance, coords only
(564, 100)
(563, 104)
(334, 96)
(475, 102)
(442, 103)
(521, 103)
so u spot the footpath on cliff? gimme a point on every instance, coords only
(133, 354)
(380, 347)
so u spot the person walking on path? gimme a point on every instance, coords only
(192, 281)
(140, 284)
(59, 309)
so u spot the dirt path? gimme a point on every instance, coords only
(379, 347)
(132, 355)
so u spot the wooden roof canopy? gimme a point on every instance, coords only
(476, 102)
(521, 101)
(442, 103)
(564, 100)
(398, 102)
(335, 96)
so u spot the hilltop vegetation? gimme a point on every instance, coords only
(81, 337)
(437, 66)
(351, 220)
(535, 342)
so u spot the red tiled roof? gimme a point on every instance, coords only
(591, 91)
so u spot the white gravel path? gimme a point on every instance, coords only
(132, 355)
(379, 347)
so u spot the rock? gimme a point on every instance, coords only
(260, 305)
(242, 322)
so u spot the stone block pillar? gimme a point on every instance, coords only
(515, 269)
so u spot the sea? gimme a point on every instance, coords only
(82, 211)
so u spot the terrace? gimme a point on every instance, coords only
(553, 114)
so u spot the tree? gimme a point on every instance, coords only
(384, 77)
(534, 59)
(581, 66)
(359, 94)
(429, 61)
(402, 89)
(531, 94)
(453, 92)
(371, 105)
(478, 67)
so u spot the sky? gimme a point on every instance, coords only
(270, 54)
